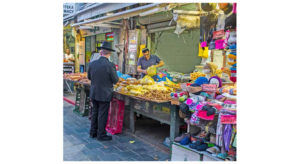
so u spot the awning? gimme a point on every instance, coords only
(105, 8)
(124, 14)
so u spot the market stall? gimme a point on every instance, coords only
(196, 88)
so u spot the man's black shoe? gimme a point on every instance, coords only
(105, 138)
(93, 135)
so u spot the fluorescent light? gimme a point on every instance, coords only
(85, 27)
(106, 25)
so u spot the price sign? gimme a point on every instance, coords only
(209, 88)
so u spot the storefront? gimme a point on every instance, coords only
(94, 38)
(195, 92)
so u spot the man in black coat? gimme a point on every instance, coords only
(103, 75)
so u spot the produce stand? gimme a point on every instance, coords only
(82, 96)
(69, 84)
(82, 100)
(161, 111)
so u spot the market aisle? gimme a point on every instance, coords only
(79, 147)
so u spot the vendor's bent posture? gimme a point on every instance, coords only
(148, 60)
(103, 75)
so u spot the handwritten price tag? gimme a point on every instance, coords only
(209, 87)
(228, 119)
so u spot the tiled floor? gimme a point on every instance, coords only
(79, 147)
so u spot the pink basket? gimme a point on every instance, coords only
(115, 118)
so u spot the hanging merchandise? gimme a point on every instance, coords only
(203, 51)
(230, 22)
(225, 7)
(184, 22)
(210, 40)
(227, 35)
(232, 38)
(234, 141)
(142, 46)
(232, 135)
(227, 136)
(219, 44)
(219, 132)
(188, 21)
(207, 23)
(208, 6)
(212, 45)
(232, 62)
(221, 22)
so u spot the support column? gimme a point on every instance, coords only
(175, 122)
(131, 118)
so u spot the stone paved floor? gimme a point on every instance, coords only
(79, 147)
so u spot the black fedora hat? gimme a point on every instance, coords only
(106, 46)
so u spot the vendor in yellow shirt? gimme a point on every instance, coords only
(148, 60)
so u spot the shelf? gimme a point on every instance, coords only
(199, 152)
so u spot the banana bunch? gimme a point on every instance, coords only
(171, 84)
(195, 75)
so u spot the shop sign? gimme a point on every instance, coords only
(69, 8)
(132, 48)
(209, 87)
(132, 56)
(133, 41)
(109, 36)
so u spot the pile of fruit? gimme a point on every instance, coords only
(171, 84)
(144, 88)
(86, 81)
(75, 76)
(181, 96)
(195, 75)
(157, 92)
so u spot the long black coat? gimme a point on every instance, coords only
(103, 75)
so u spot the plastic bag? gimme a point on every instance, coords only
(147, 80)
(123, 76)
(151, 71)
